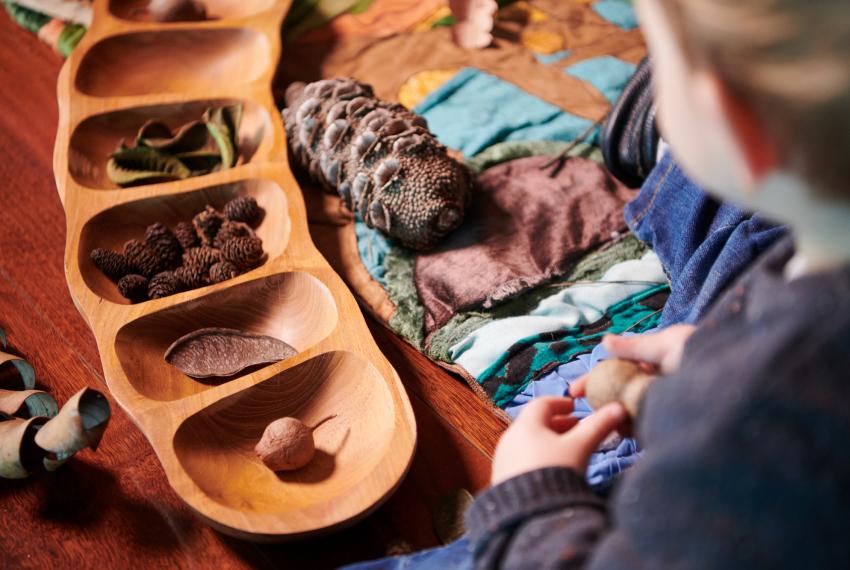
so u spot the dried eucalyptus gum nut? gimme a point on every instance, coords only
(287, 444)
(607, 380)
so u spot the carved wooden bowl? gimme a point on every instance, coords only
(133, 66)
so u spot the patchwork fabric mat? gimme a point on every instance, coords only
(543, 266)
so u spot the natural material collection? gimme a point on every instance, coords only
(379, 157)
(210, 352)
(287, 444)
(35, 435)
(162, 155)
(213, 247)
(618, 381)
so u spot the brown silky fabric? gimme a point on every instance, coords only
(523, 229)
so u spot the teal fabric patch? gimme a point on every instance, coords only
(552, 57)
(373, 248)
(608, 74)
(618, 12)
(537, 354)
(474, 110)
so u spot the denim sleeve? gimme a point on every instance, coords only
(703, 244)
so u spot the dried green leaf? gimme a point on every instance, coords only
(79, 424)
(223, 125)
(21, 368)
(210, 352)
(142, 165)
(200, 161)
(152, 129)
(27, 403)
(448, 515)
(190, 137)
(19, 454)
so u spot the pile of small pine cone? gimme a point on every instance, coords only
(213, 247)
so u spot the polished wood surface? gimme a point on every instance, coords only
(115, 508)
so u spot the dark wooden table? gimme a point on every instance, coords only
(114, 508)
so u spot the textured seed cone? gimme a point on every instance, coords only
(201, 258)
(192, 276)
(165, 244)
(222, 271)
(243, 209)
(163, 284)
(243, 252)
(379, 157)
(134, 287)
(142, 259)
(186, 235)
(617, 381)
(112, 264)
(286, 445)
(207, 224)
(230, 230)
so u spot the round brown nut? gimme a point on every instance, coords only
(287, 444)
(617, 381)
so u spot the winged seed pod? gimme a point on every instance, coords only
(379, 157)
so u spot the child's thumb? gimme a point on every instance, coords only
(591, 431)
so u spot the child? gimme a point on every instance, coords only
(747, 435)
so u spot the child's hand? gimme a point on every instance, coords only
(546, 435)
(661, 351)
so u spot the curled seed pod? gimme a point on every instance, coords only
(207, 224)
(165, 244)
(112, 264)
(142, 259)
(201, 257)
(133, 287)
(222, 271)
(186, 235)
(192, 276)
(163, 284)
(243, 252)
(230, 230)
(243, 209)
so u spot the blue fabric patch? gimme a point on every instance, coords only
(618, 12)
(474, 110)
(552, 57)
(373, 248)
(608, 74)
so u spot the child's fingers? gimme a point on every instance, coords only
(578, 388)
(540, 410)
(646, 348)
(585, 437)
(562, 424)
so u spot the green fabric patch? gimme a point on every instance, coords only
(510, 150)
(69, 38)
(409, 314)
(530, 357)
(26, 18)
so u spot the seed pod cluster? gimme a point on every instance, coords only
(210, 248)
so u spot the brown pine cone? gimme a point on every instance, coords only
(112, 264)
(207, 224)
(142, 259)
(201, 257)
(243, 252)
(230, 230)
(243, 209)
(222, 271)
(165, 244)
(192, 276)
(186, 235)
(134, 287)
(163, 284)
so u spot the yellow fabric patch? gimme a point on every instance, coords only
(420, 85)
(542, 42)
(428, 23)
(522, 11)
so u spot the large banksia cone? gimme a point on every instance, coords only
(230, 230)
(243, 252)
(112, 264)
(222, 271)
(207, 224)
(379, 157)
(186, 235)
(142, 259)
(163, 284)
(192, 276)
(165, 244)
(133, 287)
(201, 258)
(243, 209)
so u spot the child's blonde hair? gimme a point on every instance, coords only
(790, 59)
